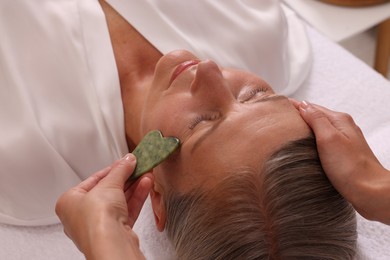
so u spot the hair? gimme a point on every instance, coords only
(288, 210)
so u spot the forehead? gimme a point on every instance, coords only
(243, 140)
(238, 79)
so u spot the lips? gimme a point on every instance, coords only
(182, 67)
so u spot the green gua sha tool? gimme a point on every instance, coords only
(151, 151)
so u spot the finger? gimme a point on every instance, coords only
(130, 187)
(115, 163)
(95, 178)
(121, 171)
(138, 197)
(137, 201)
(325, 110)
(92, 180)
(343, 122)
(318, 121)
(295, 102)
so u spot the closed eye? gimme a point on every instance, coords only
(248, 96)
(251, 94)
(202, 118)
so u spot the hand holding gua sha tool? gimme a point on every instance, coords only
(151, 151)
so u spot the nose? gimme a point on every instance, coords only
(210, 85)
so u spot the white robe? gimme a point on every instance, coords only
(61, 115)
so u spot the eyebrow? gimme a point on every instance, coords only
(212, 129)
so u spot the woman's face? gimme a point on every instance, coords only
(226, 120)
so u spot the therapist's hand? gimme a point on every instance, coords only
(99, 213)
(349, 162)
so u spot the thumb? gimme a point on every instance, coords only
(121, 171)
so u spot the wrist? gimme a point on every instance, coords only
(111, 239)
(372, 195)
(383, 198)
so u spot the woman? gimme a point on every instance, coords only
(200, 191)
(211, 109)
(207, 107)
(69, 69)
(337, 136)
(273, 202)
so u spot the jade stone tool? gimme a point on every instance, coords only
(151, 151)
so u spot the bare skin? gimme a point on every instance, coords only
(349, 162)
(136, 59)
(216, 99)
(99, 213)
(210, 109)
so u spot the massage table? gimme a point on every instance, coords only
(337, 80)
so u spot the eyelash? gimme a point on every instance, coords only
(205, 117)
(250, 94)
(211, 117)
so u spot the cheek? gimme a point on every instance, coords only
(170, 123)
(171, 118)
(178, 173)
(156, 116)
(168, 176)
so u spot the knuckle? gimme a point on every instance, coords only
(135, 238)
(345, 117)
(358, 130)
(59, 206)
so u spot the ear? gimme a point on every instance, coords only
(157, 199)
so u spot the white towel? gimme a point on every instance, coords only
(342, 82)
(337, 80)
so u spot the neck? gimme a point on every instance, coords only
(136, 59)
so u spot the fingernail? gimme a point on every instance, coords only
(129, 157)
(305, 105)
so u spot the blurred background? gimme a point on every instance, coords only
(360, 26)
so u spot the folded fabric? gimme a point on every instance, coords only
(62, 110)
(337, 80)
(342, 82)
